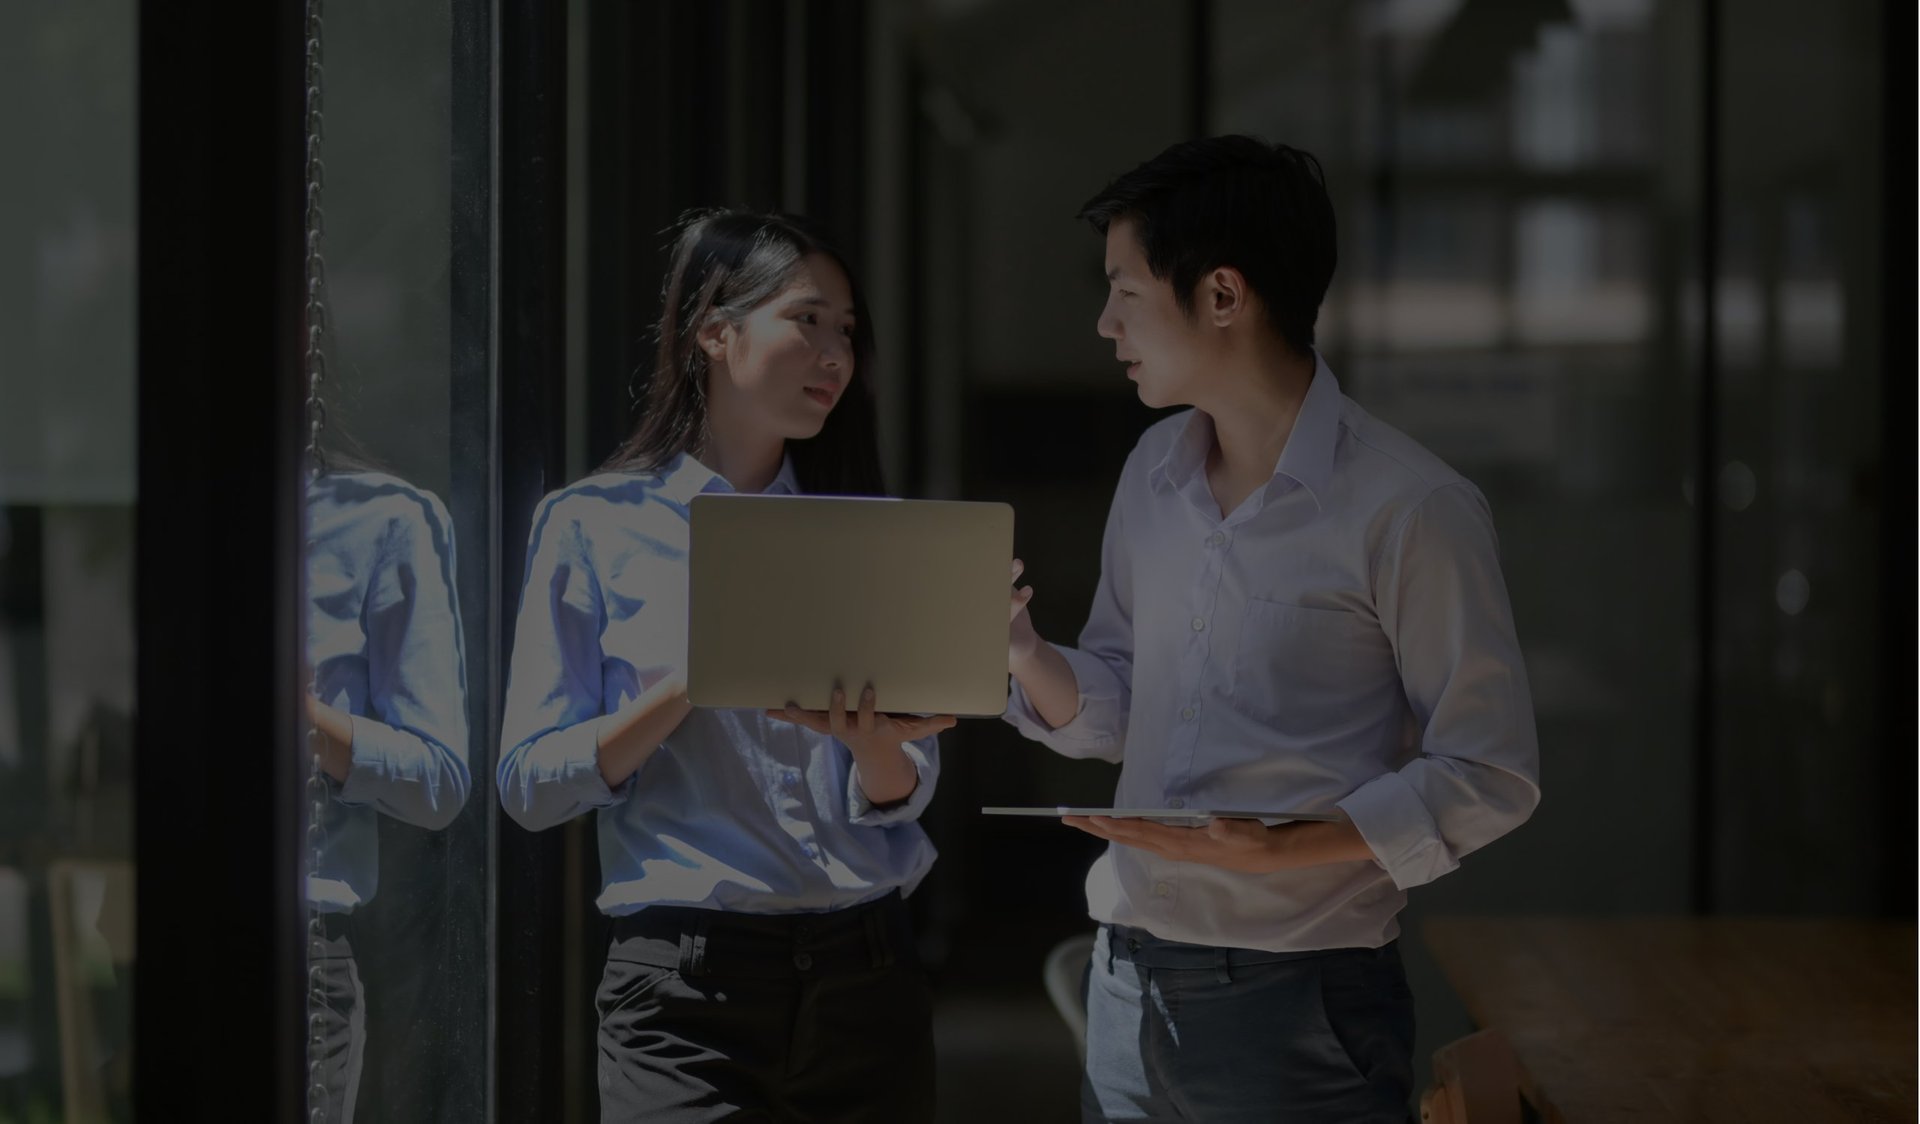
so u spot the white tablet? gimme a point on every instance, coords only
(1194, 815)
(788, 595)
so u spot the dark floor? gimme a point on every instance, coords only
(1005, 1057)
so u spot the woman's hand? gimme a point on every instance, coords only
(867, 729)
(881, 767)
(334, 746)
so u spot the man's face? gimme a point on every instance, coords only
(1162, 347)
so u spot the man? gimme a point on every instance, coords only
(1299, 609)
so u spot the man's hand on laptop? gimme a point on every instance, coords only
(1022, 640)
(1043, 673)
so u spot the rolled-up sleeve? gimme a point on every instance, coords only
(549, 761)
(1443, 603)
(862, 812)
(410, 756)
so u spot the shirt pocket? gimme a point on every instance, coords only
(1306, 671)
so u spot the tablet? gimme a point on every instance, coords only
(1195, 815)
(788, 595)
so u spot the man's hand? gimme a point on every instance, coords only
(1022, 641)
(1043, 673)
(1247, 846)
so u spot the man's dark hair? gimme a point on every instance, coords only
(1232, 201)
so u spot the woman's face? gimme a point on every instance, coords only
(781, 370)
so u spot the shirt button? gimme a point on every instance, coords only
(1217, 538)
(1187, 714)
(1161, 889)
(1176, 802)
(1199, 623)
(802, 960)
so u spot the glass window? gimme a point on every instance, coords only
(67, 493)
(398, 809)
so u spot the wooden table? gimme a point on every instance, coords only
(1710, 1019)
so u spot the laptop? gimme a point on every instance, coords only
(1187, 816)
(789, 595)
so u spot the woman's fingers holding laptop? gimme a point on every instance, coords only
(866, 724)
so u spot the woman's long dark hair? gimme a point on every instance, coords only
(727, 263)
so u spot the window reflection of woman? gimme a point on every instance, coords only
(388, 703)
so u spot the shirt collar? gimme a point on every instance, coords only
(685, 478)
(1307, 458)
(1308, 455)
(1186, 457)
(785, 483)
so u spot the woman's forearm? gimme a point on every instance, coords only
(627, 738)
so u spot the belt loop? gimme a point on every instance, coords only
(1107, 932)
(1225, 967)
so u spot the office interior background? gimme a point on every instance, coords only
(1629, 265)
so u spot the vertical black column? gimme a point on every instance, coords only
(219, 1021)
(1895, 481)
(1707, 473)
(530, 45)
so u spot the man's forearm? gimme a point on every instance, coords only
(1297, 845)
(1050, 685)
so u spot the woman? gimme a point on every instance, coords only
(753, 864)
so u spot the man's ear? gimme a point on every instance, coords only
(1225, 296)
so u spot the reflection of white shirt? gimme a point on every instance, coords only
(383, 638)
(1342, 639)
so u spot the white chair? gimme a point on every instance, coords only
(1065, 967)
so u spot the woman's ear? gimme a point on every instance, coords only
(713, 338)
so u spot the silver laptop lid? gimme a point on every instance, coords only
(788, 595)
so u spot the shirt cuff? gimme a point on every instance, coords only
(862, 812)
(399, 772)
(577, 755)
(561, 779)
(1396, 825)
(1094, 729)
(369, 766)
